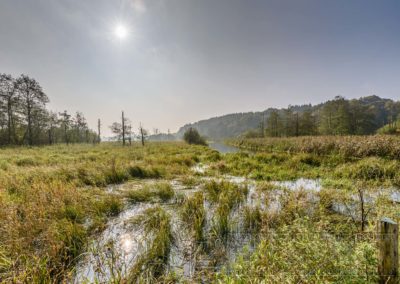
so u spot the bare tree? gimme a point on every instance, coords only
(98, 130)
(123, 129)
(364, 212)
(32, 96)
(143, 134)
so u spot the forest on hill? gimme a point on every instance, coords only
(339, 116)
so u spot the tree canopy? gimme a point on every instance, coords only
(25, 120)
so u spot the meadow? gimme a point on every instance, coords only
(291, 210)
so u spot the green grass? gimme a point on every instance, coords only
(226, 196)
(346, 146)
(299, 253)
(152, 264)
(151, 193)
(52, 199)
(194, 215)
(253, 219)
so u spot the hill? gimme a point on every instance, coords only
(338, 116)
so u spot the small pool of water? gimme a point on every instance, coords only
(223, 148)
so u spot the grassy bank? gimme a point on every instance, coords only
(384, 146)
(371, 160)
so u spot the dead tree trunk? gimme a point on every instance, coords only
(123, 129)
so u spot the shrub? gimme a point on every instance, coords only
(192, 136)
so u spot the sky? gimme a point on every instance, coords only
(187, 60)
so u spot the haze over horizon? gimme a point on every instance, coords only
(170, 62)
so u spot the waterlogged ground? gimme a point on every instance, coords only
(182, 212)
(116, 250)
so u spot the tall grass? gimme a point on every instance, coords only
(194, 216)
(300, 253)
(152, 264)
(151, 193)
(226, 196)
(347, 146)
(50, 203)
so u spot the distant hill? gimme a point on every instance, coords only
(380, 111)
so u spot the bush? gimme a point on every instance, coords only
(192, 136)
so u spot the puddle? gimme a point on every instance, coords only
(114, 251)
(301, 184)
(395, 196)
(200, 168)
(223, 148)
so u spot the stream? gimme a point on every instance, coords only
(223, 148)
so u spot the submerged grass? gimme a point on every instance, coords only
(194, 215)
(252, 219)
(226, 196)
(152, 264)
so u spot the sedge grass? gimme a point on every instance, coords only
(152, 264)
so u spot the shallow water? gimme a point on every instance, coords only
(301, 184)
(117, 248)
(223, 148)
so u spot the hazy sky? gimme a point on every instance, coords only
(186, 60)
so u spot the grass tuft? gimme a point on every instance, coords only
(152, 264)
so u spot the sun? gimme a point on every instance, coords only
(120, 31)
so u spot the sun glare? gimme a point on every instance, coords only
(121, 32)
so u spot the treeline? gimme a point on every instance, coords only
(335, 117)
(25, 120)
(339, 116)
